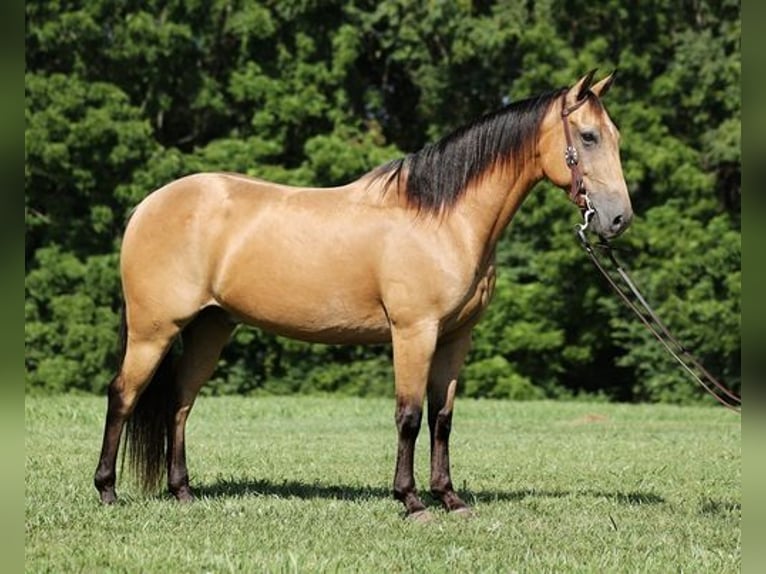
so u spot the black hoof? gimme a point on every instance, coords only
(184, 495)
(108, 496)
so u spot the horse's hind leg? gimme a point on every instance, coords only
(141, 360)
(442, 385)
(203, 340)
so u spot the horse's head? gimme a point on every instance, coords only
(579, 150)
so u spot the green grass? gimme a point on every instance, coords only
(303, 485)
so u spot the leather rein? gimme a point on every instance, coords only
(578, 194)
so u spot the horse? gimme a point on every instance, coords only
(405, 255)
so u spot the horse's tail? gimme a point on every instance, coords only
(146, 430)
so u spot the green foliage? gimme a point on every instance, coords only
(122, 98)
(698, 284)
(82, 140)
(495, 378)
(70, 327)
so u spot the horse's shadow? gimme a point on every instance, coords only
(225, 488)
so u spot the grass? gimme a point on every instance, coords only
(302, 484)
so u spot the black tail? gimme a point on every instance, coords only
(146, 431)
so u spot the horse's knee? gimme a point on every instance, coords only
(408, 418)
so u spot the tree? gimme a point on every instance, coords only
(121, 98)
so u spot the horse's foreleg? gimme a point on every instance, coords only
(203, 341)
(413, 350)
(442, 385)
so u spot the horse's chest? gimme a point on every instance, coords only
(475, 300)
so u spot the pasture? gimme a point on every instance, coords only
(302, 484)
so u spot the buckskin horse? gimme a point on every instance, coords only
(405, 255)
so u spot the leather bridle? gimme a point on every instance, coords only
(577, 189)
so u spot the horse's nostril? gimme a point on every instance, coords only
(617, 220)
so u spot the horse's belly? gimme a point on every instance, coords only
(314, 279)
(307, 312)
(317, 327)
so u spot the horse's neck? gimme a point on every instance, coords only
(488, 207)
(480, 216)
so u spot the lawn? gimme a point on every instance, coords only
(302, 484)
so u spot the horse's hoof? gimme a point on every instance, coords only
(108, 497)
(184, 495)
(420, 517)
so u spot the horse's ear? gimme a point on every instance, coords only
(602, 87)
(580, 89)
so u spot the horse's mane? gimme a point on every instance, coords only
(437, 176)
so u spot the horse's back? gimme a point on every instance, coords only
(298, 261)
(333, 265)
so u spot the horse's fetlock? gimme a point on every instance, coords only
(178, 482)
(440, 486)
(103, 480)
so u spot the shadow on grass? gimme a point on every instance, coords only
(629, 498)
(288, 489)
(720, 507)
(292, 489)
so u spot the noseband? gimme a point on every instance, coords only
(577, 190)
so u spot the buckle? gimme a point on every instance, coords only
(571, 157)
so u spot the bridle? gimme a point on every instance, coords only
(648, 317)
(577, 189)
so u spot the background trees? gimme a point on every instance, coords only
(122, 97)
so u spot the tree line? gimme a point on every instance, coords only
(123, 97)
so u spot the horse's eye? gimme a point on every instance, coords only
(589, 138)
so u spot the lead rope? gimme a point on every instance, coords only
(730, 400)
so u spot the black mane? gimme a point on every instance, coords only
(438, 175)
